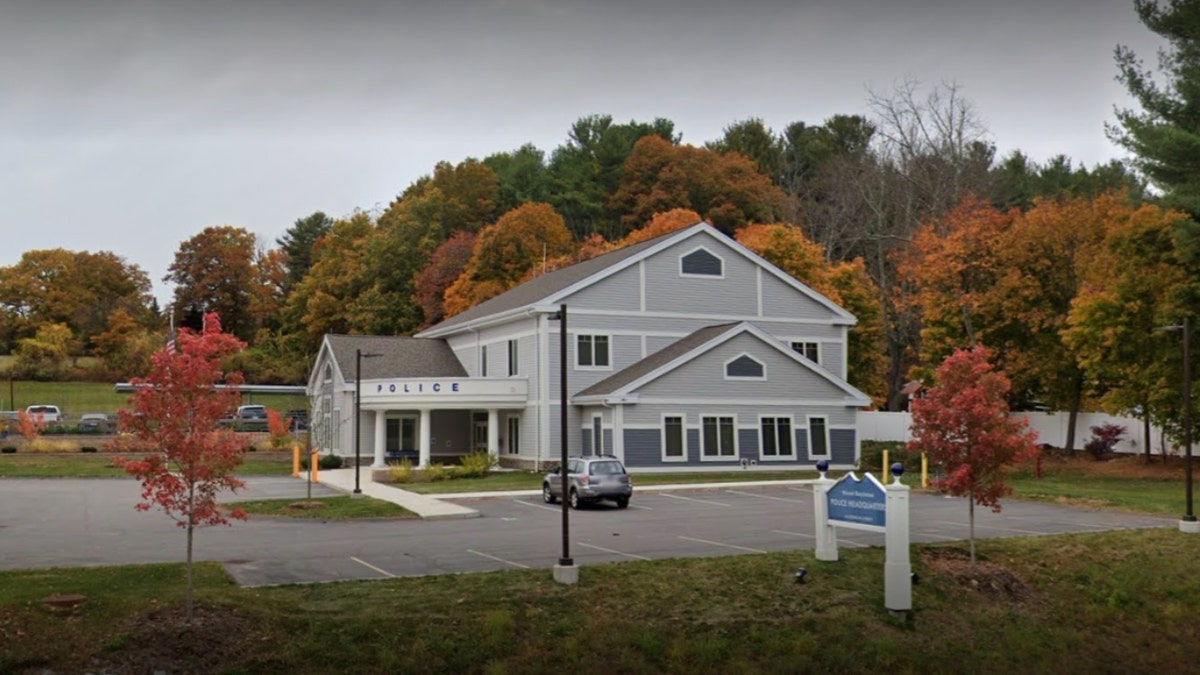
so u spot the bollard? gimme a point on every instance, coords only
(883, 471)
(314, 467)
(924, 471)
(295, 461)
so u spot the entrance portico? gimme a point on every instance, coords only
(412, 410)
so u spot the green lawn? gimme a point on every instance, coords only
(1090, 603)
(1151, 495)
(37, 465)
(324, 508)
(76, 398)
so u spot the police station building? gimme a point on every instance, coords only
(684, 352)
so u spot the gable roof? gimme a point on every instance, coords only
(399, 357)
(546, 290)
(683, 351)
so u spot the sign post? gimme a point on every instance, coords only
(866, 504)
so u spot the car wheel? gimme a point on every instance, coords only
(622, 502)
(547, 495)
(574, 501)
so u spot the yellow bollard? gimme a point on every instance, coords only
(884, 472)
(295, 461)
(314, 468)
(924, 471)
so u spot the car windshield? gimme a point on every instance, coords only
(606, 469)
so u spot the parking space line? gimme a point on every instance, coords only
(690, 499)
(795, 534)
(801, 489)
(502, 560)
(639, 506)
(609, 550)
(854, 544)
(717, 543)
(535, 505)
(996, 527)
(370, 566)
(937, 536)
(778, 499)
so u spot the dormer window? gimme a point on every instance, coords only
(745, 367)
(701, 262)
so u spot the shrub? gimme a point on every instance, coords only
(51, 445)
(401, 472)
(88, 448)
(436, 472)
(330, 461)
(8, 449)
(474, 465)
(1104, 439)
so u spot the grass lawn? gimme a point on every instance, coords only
(1122, 482)
(37, 465)
(1087, 603)
(76, 398)
(324, 508)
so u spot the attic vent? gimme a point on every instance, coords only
(745, 367)
(701, 262)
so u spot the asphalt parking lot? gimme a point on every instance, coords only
(80, 522)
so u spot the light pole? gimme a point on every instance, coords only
(358, 357)
(565, 571)
(1188, 523)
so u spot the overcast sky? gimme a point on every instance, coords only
(131, 125)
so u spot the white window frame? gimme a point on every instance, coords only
(808, 430)
(758, 378)
(762, 441)
(511, 421)
(692, 275)
(513, 358)
(719, 458)
(592, 344)
(483, 360)
(803, 351)
(682, 437)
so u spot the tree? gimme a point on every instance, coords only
(46, 355)
(125, 348)
(1165, 136)
(215, 272)
(297, 245)
(446, 263)
(963, 425)
(324, 300)
(175, 412)
(660, 224)
(523, 175)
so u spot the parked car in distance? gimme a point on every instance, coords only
(251, 412)
(99, 423)
(299, 419)
(48, 414)
(590, 479)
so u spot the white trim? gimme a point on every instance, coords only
(808, 437)
(709, 319)
(662, 437)
(762, 456)
(757, 378)
(724, 401)
(693, 275)
(719, 458)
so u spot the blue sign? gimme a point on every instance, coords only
(858, 501)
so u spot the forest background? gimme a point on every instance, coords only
(904, 215)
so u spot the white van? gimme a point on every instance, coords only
(49, 414)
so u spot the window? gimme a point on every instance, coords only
(328, 376)
(483, 361)
(701, 263)
(818, 437)
(717, 440)
(777, 437)
(514, 435)
(591, 351)
(809, 350)
(597, 435)
(672, 443)
(512, 358)
(746, 368)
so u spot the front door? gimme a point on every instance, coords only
(479, 435)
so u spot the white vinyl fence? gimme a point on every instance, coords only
(1051, 428)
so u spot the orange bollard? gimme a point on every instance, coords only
(314, 468)
(295, 461)
(884, 473)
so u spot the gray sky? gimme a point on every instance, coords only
(131, 125)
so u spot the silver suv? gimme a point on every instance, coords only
(590, 479)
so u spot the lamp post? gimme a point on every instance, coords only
(358, 357)
(1188, 523)
(565, 571)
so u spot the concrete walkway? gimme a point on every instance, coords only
(429, 508)
(441, 506)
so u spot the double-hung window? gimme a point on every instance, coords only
(777, 438)
(512, 358)
(718, 438)
(818, 437)
(809, 350)
(672, 442)
(591, 351)
(483, 361)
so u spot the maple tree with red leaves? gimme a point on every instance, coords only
(963, 425)
(176, 412)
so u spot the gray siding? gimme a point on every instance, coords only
(842, 446)
(781, 300)
(619, 292)
(643, 449)
(667, 290)
(747, 444)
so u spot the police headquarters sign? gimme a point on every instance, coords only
(858, 501)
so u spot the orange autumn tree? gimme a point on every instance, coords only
(660, 224)
(176, 412)
(847, 284)
(506, 251)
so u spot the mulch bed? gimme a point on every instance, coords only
(994, 582)
(217, 641)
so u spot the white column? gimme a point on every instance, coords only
(826, 534)
(424, 432)
(897, 570)
(494, 433)
(380, 440)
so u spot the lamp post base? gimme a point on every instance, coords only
(356, 494)
(566, 574)
(1189, 526)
